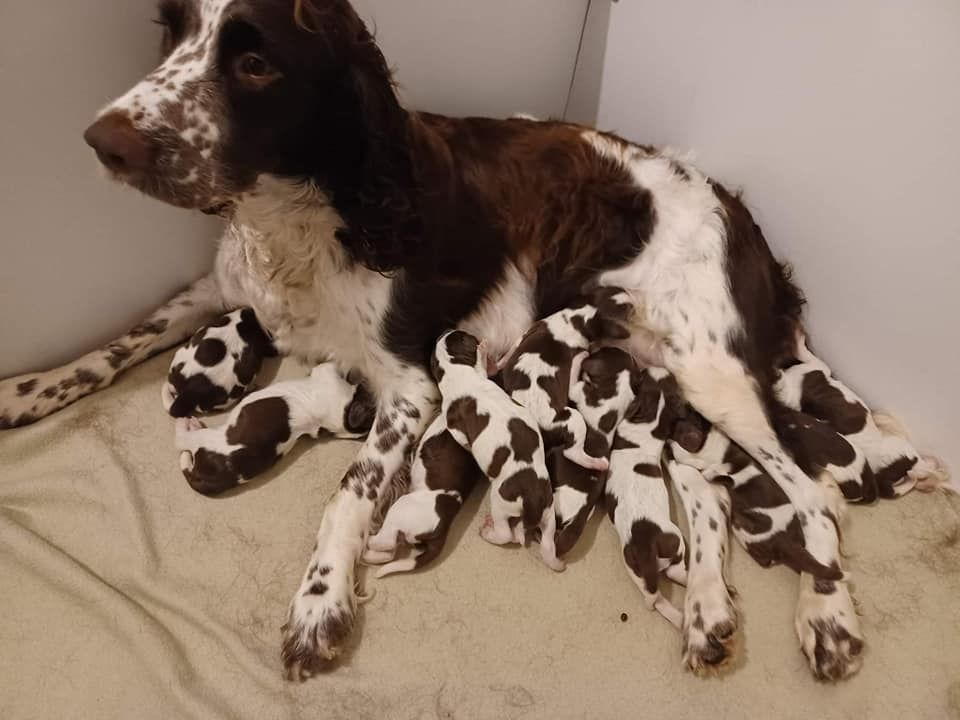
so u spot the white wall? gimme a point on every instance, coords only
(81, 259)
(841, 120)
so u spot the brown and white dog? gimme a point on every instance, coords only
(505, 441)
(359, 231)
(896, 465)
(217, 367)
(442, 475)
(638, 503)
(267, 424)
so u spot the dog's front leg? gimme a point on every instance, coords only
(323, 611)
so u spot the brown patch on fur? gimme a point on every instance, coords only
(463, 416)
(822, 400)
(524, 440)
(500, 457)
(26, 387)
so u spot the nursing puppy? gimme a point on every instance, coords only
(504, 440)
(537, 374)
(217, 366)
(764, 522)
(603, 389)
(809, 386)
(637, 499)
(267, 424)
(442, 475)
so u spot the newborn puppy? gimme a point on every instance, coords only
(537, 374)
(637, 499)
(809, 386)
(763, 520)
(603, 389)
(267, 424)
(441, 477)
(215, 369)
(504, 440)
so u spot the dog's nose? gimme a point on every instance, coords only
(118, 144)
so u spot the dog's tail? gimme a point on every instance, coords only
(27, 398)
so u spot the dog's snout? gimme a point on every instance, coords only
(118, 144)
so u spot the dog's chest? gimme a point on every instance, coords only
(312, 308)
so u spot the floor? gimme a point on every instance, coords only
(126, 595)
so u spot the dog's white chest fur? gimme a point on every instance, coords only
(314, 302)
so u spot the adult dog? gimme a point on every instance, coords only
(360, 231)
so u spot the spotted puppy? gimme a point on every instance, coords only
(504, 440)
(442, 475)
(763, 520)
(637, 499)
(537, 374)
(217, 366)
(896, 465)
(267, 424)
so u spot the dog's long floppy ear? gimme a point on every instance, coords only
(372, 177)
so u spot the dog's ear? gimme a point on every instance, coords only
(376, 187)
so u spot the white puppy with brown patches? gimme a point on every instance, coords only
(637, 499)
(267, 424)
(441, 476)
(504, 440)
(897, 466)
(217, 366)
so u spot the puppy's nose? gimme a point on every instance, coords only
(118, 144)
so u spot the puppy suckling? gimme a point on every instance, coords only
(442, 475)
(217, 366)
(603, 390)
(267, 424)
(897, 467)
(637, 499)
(764, 522)
(537, 374)
(505, 441)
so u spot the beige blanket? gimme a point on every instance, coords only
(124, 594)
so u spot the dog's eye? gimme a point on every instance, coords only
(255, 69)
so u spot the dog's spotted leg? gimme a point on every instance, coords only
(710, 618)
(323, 610)
(726, 394)
(28, 398)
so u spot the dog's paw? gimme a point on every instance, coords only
(829, 630)
(320, 620)
(710, 623)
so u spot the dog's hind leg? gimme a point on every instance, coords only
(27, 398)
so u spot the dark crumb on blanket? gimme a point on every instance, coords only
(624, 617)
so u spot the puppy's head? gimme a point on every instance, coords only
(458, 349)
(614, 312)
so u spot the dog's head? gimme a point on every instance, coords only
(292, 88)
